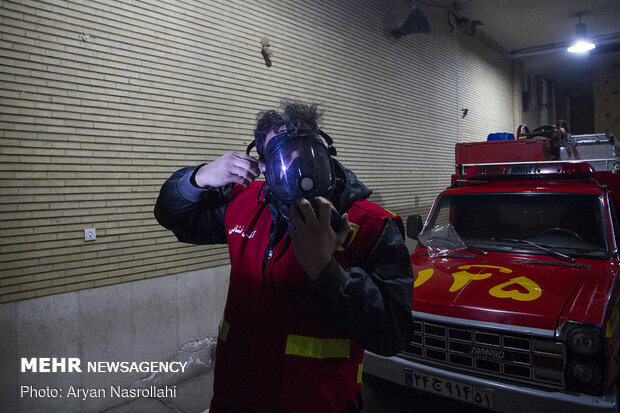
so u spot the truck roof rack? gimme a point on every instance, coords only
(524, 170)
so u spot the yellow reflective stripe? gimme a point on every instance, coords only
(390, 212)
(224, 327)
(350, 237)
(318, 348)
(359, 373)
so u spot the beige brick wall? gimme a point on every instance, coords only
(606, 87)
(102, 100)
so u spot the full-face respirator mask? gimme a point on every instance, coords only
(298, 164)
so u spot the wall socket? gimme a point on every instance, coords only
(90, 234)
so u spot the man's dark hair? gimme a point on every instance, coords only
(302, 115)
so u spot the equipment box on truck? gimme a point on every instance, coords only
(516, 299)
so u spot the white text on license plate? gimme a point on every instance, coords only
(449, 388)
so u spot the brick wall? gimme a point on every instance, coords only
(606, 88)
(102, 100)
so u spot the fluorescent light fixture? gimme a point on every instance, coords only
(582, 44)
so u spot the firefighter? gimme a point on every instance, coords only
(318, 272)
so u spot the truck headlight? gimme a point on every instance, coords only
(584, 340)
(585, 371)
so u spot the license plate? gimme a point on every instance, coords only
(449, 388)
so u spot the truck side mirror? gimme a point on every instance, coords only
(414, 226)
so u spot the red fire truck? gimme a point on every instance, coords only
(516, 299)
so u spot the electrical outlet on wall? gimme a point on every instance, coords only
(90, 234)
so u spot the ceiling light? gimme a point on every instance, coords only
(581, 44)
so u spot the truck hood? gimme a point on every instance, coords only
(508, 290)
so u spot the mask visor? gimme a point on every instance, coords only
(298, 167)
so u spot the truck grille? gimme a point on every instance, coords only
(488, 352)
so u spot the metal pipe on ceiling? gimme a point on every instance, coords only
(556, 47)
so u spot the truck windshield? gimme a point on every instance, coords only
(571, 224)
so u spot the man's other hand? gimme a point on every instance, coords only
(314, 240)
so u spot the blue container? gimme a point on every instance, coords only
(500, 136)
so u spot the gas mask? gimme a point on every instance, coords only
(298, 167)
(298, 164)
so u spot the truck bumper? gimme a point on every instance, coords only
(505, 397)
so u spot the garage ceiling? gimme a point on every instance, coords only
(522, 26)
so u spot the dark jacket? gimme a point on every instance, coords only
(370, 301)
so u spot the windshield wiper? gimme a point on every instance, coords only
(540, 247)
(475, 249)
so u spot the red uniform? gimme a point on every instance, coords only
(287, 344)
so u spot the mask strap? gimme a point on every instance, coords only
(330, 143)
(291, 128)
(287, 121)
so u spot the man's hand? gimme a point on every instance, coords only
(314, 240)
(232, 167)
